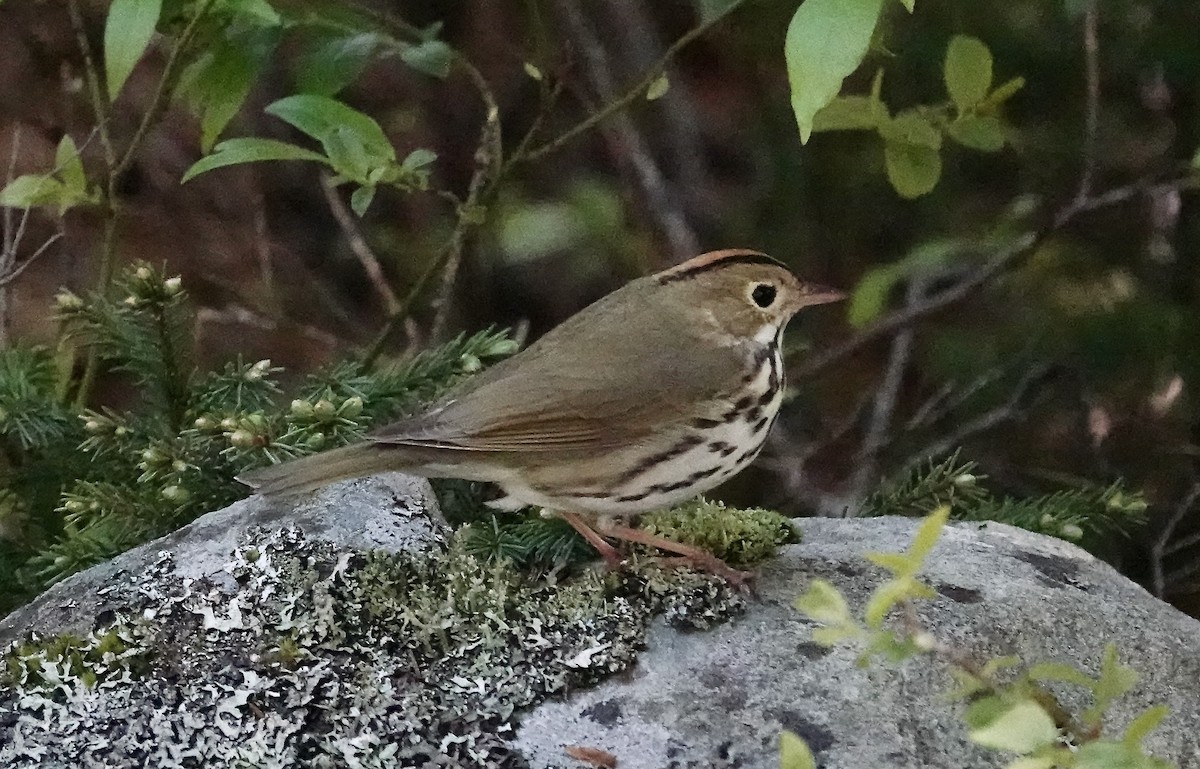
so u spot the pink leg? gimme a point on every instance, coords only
(607, 551)
(701, 558)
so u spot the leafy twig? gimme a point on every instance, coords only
(359, 246)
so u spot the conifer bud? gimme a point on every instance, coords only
(351, 407)
(173, 285)
(143, 273)
(204, 423)
(470, 364)
(175, 494)
(302, 408)
(67, 301)
(243, 439)
(324, 409)
(229, 423)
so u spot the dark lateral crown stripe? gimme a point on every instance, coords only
(718, 259)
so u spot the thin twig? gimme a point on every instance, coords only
(632, 94)
(1091, 53)
(15, 272)
(1011, 410)
(98, 96)
(1163, 547)
(165, 88)
(358, 245)
(661, 200)
(866, 460)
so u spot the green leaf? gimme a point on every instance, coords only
(1001, 94)
(826, 41)
(1144, 724)
(822, 602)
(847, 113)
(911, 127)
(418, 159)
(929, 531)
(127, 32)
(257, 10)
(1106, 754)
(979, 132)
(883, 598)
(912, 171)
(1021, 727)
(217, 84)
(348, 155)
(1114, 681)
(1034, 762)
(32, 190)
(327, 66)
(1058, 671)
(432, 57)
(250, 150)
(321, 116)
(1196, 159)
(69, 166)
(967, 71)
(871, 294)
(794, 753)
(658, 87)
(909, 5)
(360, 201)
(896, 563)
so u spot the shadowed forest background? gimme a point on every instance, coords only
(1037, 308)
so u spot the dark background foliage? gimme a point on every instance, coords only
(1070, 364)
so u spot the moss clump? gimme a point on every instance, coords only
(61, 660)
(738, 537)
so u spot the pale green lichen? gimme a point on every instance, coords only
(326, 658)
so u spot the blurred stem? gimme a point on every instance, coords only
(117, 166)
(632, 94)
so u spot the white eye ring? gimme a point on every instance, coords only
(763, 294)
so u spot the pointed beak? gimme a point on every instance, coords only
(813, 294)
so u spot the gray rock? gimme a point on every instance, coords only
(391, 512)
(720, 698)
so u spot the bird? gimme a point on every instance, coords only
(650, 396)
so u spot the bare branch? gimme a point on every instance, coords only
(14, 273)
(359, 245)
(662, 202)
(1091, 52)
(631, 94)
(1163, 547)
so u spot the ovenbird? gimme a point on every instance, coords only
(650, 396)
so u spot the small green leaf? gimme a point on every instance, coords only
(979, 132)
(1196, 159)
(532, 71)
(348, 155)
(658, 87)
(1021, 727)
(217, 84)
(847, 113)
(127, 32)
(257, 10)
(967, 71)
(794, 753)
(911, 127)
(1034, 762)
(896, 563)
(1058, 671)
(418, 159)
(360, 201)
(884, 598)
(1145, 723)
(871, 294)
(912, 171)
(328, 65)
(832, 635)
(1001, 94)
(826, 41)
(1106, 754)
(929, 531)
(910, 5)
(432, 57)
(250, 150)
(31, 191)
(822, 602)
(69, 166)
(320, 116)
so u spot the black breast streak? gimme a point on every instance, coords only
(684, 445)
(661, 488)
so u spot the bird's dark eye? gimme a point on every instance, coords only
(763, 295)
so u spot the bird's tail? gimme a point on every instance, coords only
(297, 476)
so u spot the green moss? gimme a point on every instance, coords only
(738, 537)
(44, 663)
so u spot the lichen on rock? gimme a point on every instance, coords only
(324, 657)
